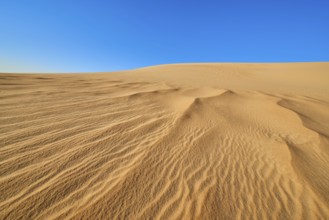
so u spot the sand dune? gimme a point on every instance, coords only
(184, 141)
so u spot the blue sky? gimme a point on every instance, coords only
(82, 36)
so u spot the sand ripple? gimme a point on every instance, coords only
(74, 147)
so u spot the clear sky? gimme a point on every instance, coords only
(99, 35)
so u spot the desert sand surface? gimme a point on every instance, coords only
(182, 141)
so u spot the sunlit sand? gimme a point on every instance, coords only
(184, 141)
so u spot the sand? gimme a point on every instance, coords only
(184, 141)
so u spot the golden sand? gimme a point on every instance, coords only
(187, 141)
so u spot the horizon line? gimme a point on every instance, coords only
(162, 64)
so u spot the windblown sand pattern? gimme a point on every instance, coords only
(189, 141)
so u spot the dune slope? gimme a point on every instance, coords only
(184, 141)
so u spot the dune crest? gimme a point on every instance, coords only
(183, 141)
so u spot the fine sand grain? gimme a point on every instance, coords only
(184, 141)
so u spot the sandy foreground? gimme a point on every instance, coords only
(184, 141)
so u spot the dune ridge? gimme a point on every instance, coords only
(183, 141)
